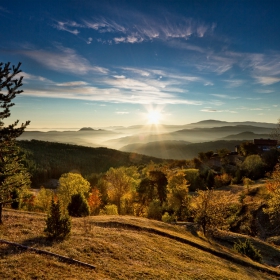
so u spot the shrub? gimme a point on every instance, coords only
(193, 178)
(155, 210)
(167, 218)
(253, 167)
(78, 206)
(222, 180)
(110, 209)
(247, 248)
(58, 226)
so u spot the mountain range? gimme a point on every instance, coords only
(163, 141)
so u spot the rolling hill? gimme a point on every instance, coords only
(123, 247)
(179, 149)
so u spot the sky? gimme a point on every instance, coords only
(121, 63)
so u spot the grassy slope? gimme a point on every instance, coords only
(133, 250)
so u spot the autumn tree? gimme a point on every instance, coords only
(70, 184)
(178, 194)
(211, 209)
(43, 199)
(13, 175)
(94, 201)
(121, 187)
(273, 203)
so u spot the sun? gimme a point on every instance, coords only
(154, 117)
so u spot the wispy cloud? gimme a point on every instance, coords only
(140, 28)
(209, 110)
(72, 84)
(68, 26)
(122, 113)
(224, 96)
(267, 80)
(33, 78)
(64, 60)
(234, 83)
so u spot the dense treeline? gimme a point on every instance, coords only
(48, 160)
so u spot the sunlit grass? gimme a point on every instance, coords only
(117, 252)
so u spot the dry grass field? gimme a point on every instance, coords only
(120, 247)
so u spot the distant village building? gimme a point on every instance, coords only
(265, 144)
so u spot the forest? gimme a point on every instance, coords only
(110, 182)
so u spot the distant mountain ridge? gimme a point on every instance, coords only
(170, 140)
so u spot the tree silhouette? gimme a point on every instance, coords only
(12, 173)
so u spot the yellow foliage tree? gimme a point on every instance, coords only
(69, 184)
(178, 193)
(273, 186)
(121, 184)
(212, 209)
(43, 199)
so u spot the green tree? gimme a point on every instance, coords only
(13, 175)
(69, 184)
(57, 225)
(248, 148)
(78, 206)
(159, 180)
(253, 167)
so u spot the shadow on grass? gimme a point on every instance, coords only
(13, 249)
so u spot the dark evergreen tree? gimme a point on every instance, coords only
(78, 206)
(13, 175)
(58, 226)
(159, 180)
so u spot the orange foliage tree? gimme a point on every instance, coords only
(94, 201)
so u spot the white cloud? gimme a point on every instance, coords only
(64, 60)
(267, 80)
(28, 77)
(224, 96)
(217, 111)
(140, 28)
(72, 84)
(122, 113)
(89, 40)
(103, 25)
(65, 26)
(234, 83)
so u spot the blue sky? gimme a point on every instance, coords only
(109, 63)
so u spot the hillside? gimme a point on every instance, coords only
(121, 247)
(179, 149)
(47, 160)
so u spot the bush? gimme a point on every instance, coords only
(167, 218)
(110, 209)
(78, 206)
(222, 180)
(58, 227)
(155, 210)
(247, 248)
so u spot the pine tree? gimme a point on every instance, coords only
(13, 175)
(78, 206)
(58, 226)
